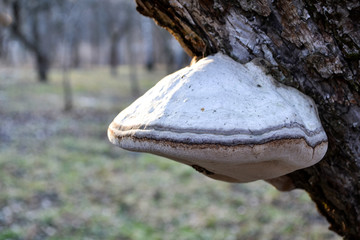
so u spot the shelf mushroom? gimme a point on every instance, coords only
(229, 121)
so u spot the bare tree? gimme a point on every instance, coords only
(70, 44)
(148, 39)
(118, 26)
(311, 45)
(132, 57)
(33, 41)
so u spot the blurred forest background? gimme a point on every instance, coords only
(67, 67)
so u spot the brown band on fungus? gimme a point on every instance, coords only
(114, 129)
(202, 170)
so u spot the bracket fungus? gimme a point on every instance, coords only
(229, 121)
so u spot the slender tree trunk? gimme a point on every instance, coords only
(311, 45)
(68, 95)
(169, 55)
(95, 35)
(75, 52)
(66, 69)
(133, 76)
(70, 44)
(131, 50)
(42, 67)
(2, 43)
(114, 58)
(148, 39)
(42, 60)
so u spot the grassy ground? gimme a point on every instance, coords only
(61, 179)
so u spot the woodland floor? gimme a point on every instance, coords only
(60, 178)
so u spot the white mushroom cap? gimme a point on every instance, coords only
(230, 121)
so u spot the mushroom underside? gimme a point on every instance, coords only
(237, 163)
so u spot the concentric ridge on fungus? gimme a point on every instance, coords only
(152, 133)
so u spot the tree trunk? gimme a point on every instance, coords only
(133, 71)
(2, 47)
(68, 94)
(148, 39)
(42, 67)
(311, 45)
(42, 61)
(34, 45)
(114, 58)
(75, 52)
(132, 57)
(95, 34)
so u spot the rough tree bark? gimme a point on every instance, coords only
(311, 45)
